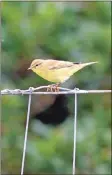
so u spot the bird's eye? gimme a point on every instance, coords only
(38, 64)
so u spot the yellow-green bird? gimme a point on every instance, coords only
(56, 71)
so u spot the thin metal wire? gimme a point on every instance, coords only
(75, 129)
(26, 133)
(63, 91)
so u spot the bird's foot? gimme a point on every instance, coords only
(50, 87)
(57, 87)
(53, 88)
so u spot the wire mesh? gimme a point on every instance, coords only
(31, 91)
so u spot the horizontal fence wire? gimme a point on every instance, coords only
(32, 90)
(38, 90)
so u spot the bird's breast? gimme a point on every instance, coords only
(55, 76)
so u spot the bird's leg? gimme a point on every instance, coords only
(57, 87)
(53, 87)
(50, 87)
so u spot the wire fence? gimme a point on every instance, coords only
(38, 91)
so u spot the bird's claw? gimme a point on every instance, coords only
(53, 88)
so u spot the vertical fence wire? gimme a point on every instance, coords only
(75, 128)
(26, 133)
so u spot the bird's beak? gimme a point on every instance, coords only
(29, 68)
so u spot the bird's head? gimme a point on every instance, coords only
(35, 64)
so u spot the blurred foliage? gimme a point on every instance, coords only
(74, 31)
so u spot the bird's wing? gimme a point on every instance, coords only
(60, 64)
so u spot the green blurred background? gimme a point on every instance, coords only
(72, 31)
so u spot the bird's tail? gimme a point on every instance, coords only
(87, 64)
(80, 66)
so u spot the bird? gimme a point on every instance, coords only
(56, 71)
